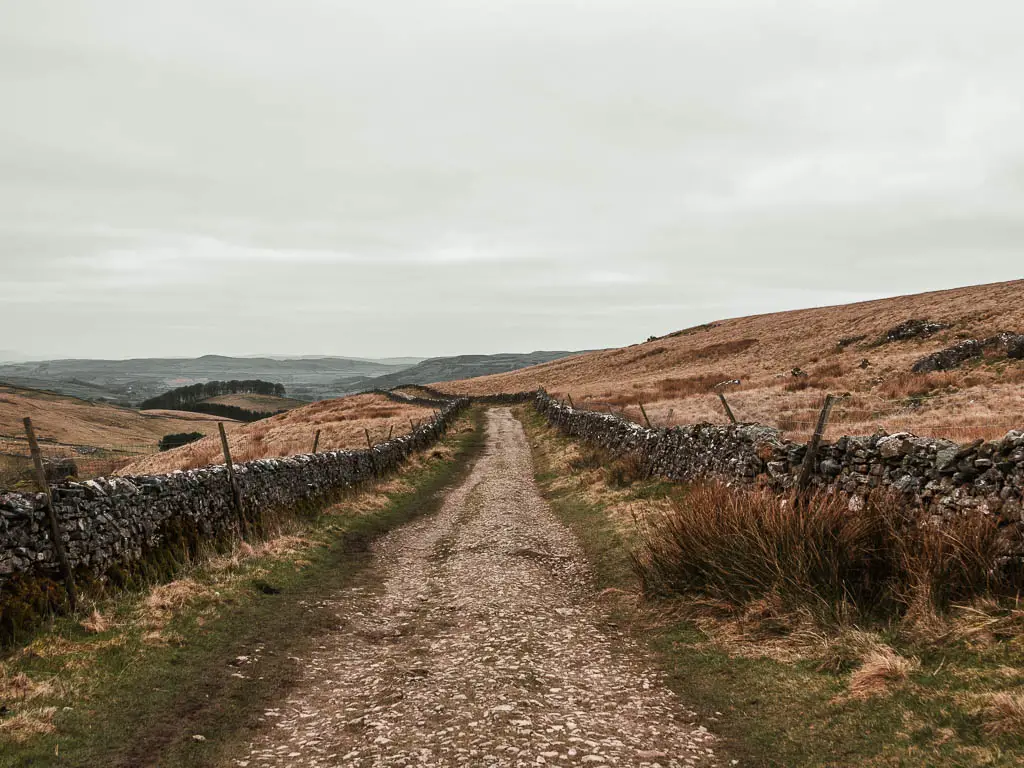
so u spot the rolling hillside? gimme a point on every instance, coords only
(133, 381)
(459, 367)
(343, 423)
(842, 349)
(99, 438)
(71, 421)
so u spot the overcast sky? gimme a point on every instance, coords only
(421, 177)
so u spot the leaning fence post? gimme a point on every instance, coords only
(807, 469)
(644, 412)
(369, 442)
(571, 403)
(728, 410)
(236, 492)
(51, 515)
(316, 441)
(391, 431)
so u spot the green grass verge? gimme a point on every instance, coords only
(144, 703)
(781, 713)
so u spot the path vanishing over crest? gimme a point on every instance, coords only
(476, 640)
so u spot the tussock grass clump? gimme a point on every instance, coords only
(743, 545)
(624, 471)
(588, 457)
(907, 384)
(1004, 714)
(882, 669)
(24, 725)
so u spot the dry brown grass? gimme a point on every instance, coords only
(986, 622)
(27, 723)
(79, 422)
(95, 622)
(847, 648)
(908, 384)
(20, 687)
(882, 669)
(1004, 714)
(165, 600)
(983, 400)
(342, 424)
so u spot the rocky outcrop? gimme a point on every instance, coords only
(915, 328)
(943, 477)
(949, 358)
(1005, 344)
(115, 521)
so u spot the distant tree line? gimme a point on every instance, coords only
(184, 398)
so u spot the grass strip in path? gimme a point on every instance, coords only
(185, 688)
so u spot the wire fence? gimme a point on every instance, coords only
(64, 459)
(944, 416)
(245, 443)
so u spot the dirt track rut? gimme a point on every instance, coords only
(477, 641)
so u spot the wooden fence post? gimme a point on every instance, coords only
(316, 441)
(369, 442)
(807, 468)
(51, 515)
(728, 410)
(236, 492)
(644, 412)
(391, 431)
(571, 403)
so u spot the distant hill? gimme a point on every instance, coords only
(437, 369)
(132, 381)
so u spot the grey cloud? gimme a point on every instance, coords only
(402, 177)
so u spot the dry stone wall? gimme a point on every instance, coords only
(943, 477)
(115, 521)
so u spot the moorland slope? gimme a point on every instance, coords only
(787, 361)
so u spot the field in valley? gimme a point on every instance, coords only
(100, 438)
(257, 403)
(841, 349)
(68, 420)
(343, 423)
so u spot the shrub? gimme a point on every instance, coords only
(905, 385)
(743, 545)
(178, 439)
(952, 561)
(623, 472)
(691, 385)
(588, 457)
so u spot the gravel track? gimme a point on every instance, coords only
(477, 641)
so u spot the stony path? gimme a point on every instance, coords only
(479, 644)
